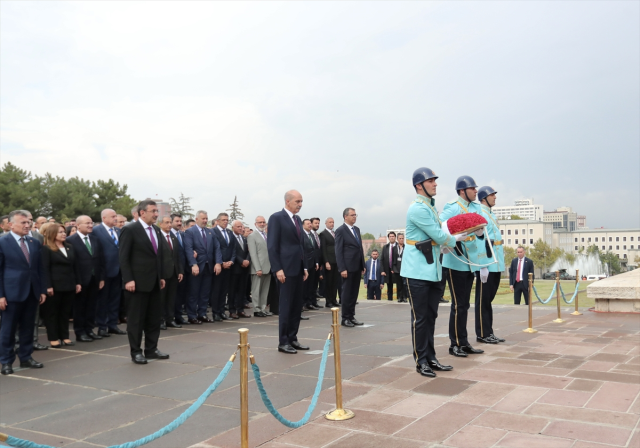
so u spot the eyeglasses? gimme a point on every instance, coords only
(355, 216)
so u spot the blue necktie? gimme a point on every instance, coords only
(353, 229)
(179, 238)
(373, 270)
(226, 237)
(113, 237)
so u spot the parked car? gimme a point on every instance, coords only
(563, 276)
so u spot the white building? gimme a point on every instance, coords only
(525, 232)
(524, 208)
(619, 241)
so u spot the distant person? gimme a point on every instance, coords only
(350, 258)
(331, 274)
(182, 293)
(389, 253)
(220, 288)
(121, 220)
(188, 224)
(239, 273)
(70, 230)
(312, 263)
(373, 277)
(397, 266)
(319, 283)
(172, 273)
(135, 214)
(22, 288)
(5, 225)
(519, 271)
(260, 268)
(62, 282)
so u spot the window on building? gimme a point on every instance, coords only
(530, 240)
(575, 240)
(617, 247)
(624, 238)
(624, 247)
(589, 239)
(617, 238)
(610, 247)
(582, 240)
(515, 232)
(516, 240)
(602, 247)
(596, 239)
(509, 241)
(509, 232)
(530, 231)
(625, 255)
(575, 247)
(631, 238)
(524, 231)
(610, 239)
(631, 247)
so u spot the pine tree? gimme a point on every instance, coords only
(234, 211)
(182, 206)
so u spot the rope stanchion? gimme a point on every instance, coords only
(544, 302)
(559, 320)
(530, 329)
(21, 443)
(244, 387)
(339, 413)
(575, 294)
(314, 399)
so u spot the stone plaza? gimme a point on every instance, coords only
(574, 384)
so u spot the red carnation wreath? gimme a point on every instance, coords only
(465, 223)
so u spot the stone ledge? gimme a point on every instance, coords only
(620, 293)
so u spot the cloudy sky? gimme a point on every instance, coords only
(340, 100)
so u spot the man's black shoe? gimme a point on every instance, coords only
(104, 333)
(354, 321)
(163, 326)
(38, 346)
(268, 313)
(224, 316)
(205, 319)
(156, 355)
(347, 323)
(217, 318)
(456, 350)
(299, 346)
(425, 370)
(443, 300)
(116, 330)
(471, 350)
(319, 296)
(174, 324)
(435, 365)
(307, 308)
(315, 307)
(496, 338)
(31, 363)
(303, 317)
(7, 369)
(487, 340)
(194, 322)
(259, 314)
(83, 338)
(94, 336)
(286, 348)
(139, 359)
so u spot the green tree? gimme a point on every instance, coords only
(368, 236)
(509, 254)
(569, 257)
(611, 261)
(234, 211)
(515, 217)
(543, 255)
(19, 189)
(374, 246)
(182, 206)
(593, 249)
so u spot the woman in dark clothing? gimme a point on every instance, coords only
(61, 280)
(70, 230)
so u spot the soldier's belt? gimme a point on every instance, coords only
(413, 242)
(498, 243)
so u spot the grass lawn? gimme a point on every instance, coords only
(505, 296)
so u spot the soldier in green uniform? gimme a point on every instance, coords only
(486, 290)
(421, 278)
(461, 274)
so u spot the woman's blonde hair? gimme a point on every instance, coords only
(50, 234)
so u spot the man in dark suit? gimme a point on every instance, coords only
(286, 255)
(220, 287)
(108, 303)
(350, 258)
(331, 274)
(312, 264)
(141, 262)
(389, 254)
(373, 277)
(172, 268)
(90, 264)
(182, 294)
(519, 271)
(207, 262)
(239, 272)
(397, 265)
(22, 288)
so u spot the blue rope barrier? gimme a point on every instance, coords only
(20, 443)
(553, 291)
(314, 399)
(575, 293)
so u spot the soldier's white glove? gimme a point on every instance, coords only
(484, 274)
(461, 237)
(480, 232)
(445, 228)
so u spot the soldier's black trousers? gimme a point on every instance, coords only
(460, 284)
(424, 297)
(485, 293)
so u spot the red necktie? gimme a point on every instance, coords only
(169, 241)
(518, 279)
(24, 249)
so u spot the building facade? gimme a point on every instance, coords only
(619, 241)
(525, 232)
(524, 208)
(563, 218)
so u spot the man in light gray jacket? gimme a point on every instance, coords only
(260, 268)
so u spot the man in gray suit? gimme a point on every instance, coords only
(260, 268)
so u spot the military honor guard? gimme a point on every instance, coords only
(462, 263)
(422, 271)
(486, 290)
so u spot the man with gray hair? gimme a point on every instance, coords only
(260, 268)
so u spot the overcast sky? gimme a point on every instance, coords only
(340, 100)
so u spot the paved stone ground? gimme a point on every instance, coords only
(573, 385)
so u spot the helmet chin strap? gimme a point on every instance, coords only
(425, 190)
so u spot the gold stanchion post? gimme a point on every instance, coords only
(576, 312)
(244, 387)
(338, 413)
(530, 329)
(559, 319)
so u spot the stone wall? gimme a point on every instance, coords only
(617, 294)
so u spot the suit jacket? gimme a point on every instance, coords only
(349, 252)
(284, 244)
(138, 260)
(171, 264)
(182, 253)
(109, 249)
(386, 267)
(328, 247)
(259, 253)
(526, 269)
(37, 235)
(205, 254)
(17, 276)
(397, 260)
(88, 264)
(242, 254)
(311, 252)
(228, 249)
(378, 271)
(60, 272)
